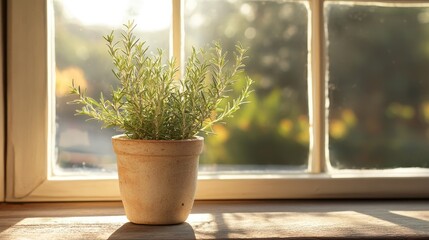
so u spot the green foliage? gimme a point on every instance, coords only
(149, 103)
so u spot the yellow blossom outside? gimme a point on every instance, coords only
(337, 129)
(348, 117)
(285, 127)
(221, 132)
(64, 79)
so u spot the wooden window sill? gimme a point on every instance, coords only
(263, 219)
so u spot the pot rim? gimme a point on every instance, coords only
(123, 137)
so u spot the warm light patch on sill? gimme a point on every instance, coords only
(73, 220)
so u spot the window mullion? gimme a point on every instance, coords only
(176, 46)
(316, 88)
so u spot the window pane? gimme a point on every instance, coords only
(81, 54)
(272, 131)
(378, 85)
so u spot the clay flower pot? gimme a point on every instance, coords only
(157, 179)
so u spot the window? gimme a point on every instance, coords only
(80, 54)
(269, 134)
(378, 87)
(304, 56)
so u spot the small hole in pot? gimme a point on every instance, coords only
(183, 204)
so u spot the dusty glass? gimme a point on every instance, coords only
(272, 131)
(377, 73)
(81, 54)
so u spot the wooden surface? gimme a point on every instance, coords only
(376, 219)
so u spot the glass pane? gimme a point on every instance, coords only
(378, 86)
(272, 131)
(81, 54)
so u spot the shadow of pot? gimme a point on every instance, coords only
(136, 231)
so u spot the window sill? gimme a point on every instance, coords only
(322, 219)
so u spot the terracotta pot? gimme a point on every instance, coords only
(157, 179)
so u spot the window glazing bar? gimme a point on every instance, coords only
(316, 88)
(176, 36)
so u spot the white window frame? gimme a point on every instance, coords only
(28, 141)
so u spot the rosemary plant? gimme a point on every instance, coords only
(150, 103)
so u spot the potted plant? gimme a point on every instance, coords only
(160, 117)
